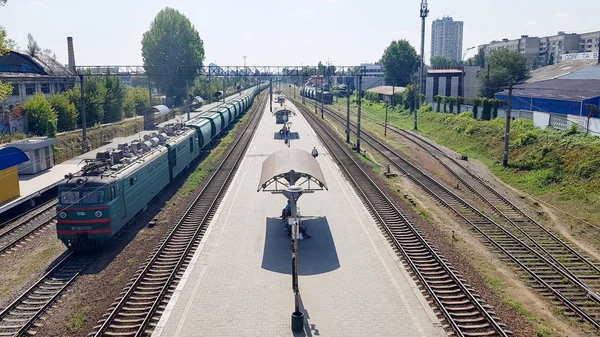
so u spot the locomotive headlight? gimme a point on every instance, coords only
(62, 215)
(98, 214)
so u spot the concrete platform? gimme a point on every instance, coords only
(239, 281)
(33, 186)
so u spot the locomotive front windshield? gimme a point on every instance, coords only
(82, 197)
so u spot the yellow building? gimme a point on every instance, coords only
(10, 158)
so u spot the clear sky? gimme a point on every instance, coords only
(282, 32)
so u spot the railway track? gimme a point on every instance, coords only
(25, 226)
(140, 305)
(19, 316)
(465, 312)
(552, 277)
(510, 216)
(519, 223)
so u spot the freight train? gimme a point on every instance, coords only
(110, 190)
(313, 93)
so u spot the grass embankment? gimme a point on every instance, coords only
(11, 137)
(68, 145)
(560, 167)
(484, 140)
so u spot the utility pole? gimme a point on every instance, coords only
(83, 121)
(416, 94)
(386, 110)
(271, 94)
(423, 13)
(209, 88)
(347, 113)
(224, 88)
(322, 98)
(508, 111)
(150, 90)
(359, 108)
(316, 100)
(187, 102)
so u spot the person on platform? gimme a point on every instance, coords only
(314, 152)
(287, 211)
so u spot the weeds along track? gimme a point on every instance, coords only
(511, 217)
(465, 312)
(552, 277)
(515, 220)
(19, 316)
(139, 306)
(40, 218)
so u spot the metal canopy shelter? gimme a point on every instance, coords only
(285, 168)
(162, 109)
(290, 172)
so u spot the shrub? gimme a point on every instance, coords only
(452, 101)
(572, 130)
(486, 113)
(41, 116)
(527, 138)
(66, 111)
(476, 104)
(425, 108)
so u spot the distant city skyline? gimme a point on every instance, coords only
(272, 32)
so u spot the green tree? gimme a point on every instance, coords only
(6, 45)
(504, 65)
(438, 100)
(452, 101)
(486, 112)
(442, 61)
(139, 81)
(41, 116)
(33, 48)
(172, 51)
(95, 96)
(480, 58)
(409, 101)
(399, 60)
(113, 101)
(136, 101)
(330, 71)
(476, 104)
(551, 61)
(320, 68)
(459, 101)
(66, 111)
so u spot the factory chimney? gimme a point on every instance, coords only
(71, 53)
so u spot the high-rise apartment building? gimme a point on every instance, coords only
(447, 38)
(541, 51)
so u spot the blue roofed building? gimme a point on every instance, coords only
(10, 159)
(560, 96)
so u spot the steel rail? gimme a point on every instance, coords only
(487, 221)
(505, 217)
(138, 327)
(457, 321)
(11, 237)
(515, 209)
(41, 295)
(411, 137)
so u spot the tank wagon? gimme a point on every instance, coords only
(313, 93)
(95, 203)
